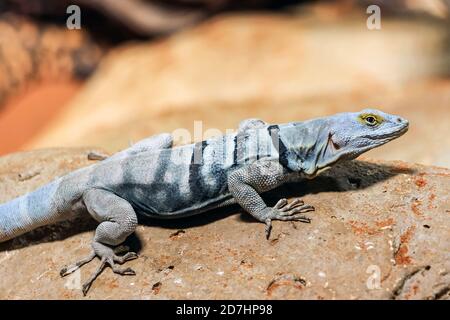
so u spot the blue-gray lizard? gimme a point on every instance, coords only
(155, 179)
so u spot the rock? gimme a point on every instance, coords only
(277, 67)
(380, 231)
(34, 51)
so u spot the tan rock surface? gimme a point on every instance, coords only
(374, 220)
(280, 68)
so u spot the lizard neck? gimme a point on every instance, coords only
(307, 146)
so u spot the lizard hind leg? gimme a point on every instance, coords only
(117, 221)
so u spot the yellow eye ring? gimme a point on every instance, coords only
(370, 119)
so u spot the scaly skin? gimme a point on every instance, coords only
(153, 179)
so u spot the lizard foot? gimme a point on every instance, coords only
(285, 211)
(107, 257)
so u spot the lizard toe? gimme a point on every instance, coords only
(294, 204)
(66, 270)
(268, 227)
(295, 217)
(298, 209)
(123, 272)
(126, 257)
(281, 204)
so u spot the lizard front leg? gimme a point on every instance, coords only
(117, 221)
(247, 182)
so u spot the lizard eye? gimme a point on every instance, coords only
(371, 121)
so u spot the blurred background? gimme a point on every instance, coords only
(141, 67)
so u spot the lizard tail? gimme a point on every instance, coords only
(30, 211)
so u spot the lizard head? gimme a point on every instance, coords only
(345, 136)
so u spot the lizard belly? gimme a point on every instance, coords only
(172, 199)
(187, 194)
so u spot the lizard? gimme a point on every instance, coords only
(153, 178)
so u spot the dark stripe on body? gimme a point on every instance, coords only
(150, 197)
(276, 141)
(196, 182)
(235, 150)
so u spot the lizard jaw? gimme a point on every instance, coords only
(317, 172)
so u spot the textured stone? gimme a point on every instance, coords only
(371, 216)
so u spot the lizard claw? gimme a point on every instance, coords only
(299, 209)
(289, 206)
(280, 204)
(288, 209)
(268, 228)
(77, 265)
(126, 257)
(124, 272)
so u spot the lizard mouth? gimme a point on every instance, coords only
(388, 135)
(403, 129)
